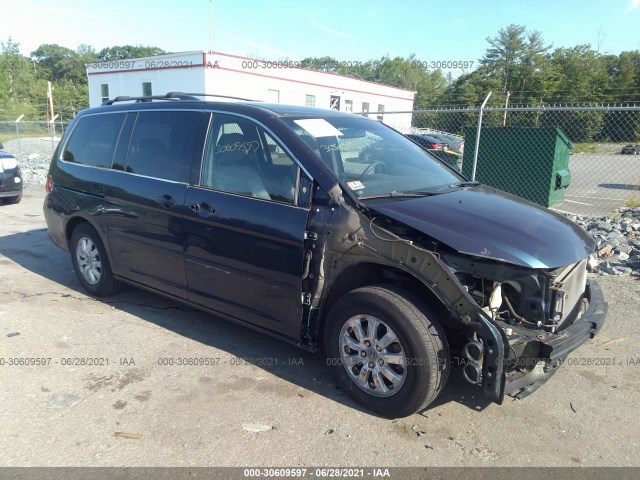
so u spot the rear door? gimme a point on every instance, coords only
(144, 204)
(244, 229)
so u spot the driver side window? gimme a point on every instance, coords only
(242, 158)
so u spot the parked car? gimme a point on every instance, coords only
(245, 210)
(442, 152)
(10, 178)
(454, 144)
(430, 142)
(631, 150)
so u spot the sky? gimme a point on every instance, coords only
(350, 31)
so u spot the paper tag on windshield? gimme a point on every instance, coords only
(319, 127)
(355, 185)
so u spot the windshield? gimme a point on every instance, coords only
(370, 158)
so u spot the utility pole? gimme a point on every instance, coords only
(52, 129)
(52, 117)
(50, 99)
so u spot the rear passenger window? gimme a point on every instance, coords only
(162, 145)
(93, 141)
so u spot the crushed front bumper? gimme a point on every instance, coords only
(553, 348)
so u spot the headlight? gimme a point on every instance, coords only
(9, 163)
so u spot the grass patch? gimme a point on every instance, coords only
(633, 202)
(7, 137)
(586, 148)
(602, 148)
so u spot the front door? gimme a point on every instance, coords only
(244, 233)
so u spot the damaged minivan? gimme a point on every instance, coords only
(327, 230)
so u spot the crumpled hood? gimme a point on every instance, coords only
(488, 223)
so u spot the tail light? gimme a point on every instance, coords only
(49, 185)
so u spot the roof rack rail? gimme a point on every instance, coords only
(220, 96)
(148, 98)
(171, 96)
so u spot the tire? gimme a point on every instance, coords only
(12, 200)
(91, 263)
(419, 342)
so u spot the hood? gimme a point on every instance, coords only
(488, 223)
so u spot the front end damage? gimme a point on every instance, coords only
(517, 323)
(543, 315)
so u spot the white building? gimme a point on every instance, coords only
(221, 74)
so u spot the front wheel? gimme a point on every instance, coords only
(386, 350)
(91, 263)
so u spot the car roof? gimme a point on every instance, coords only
(255, 109)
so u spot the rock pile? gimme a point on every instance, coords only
(35, 158)
(618, 239)
(34, 169)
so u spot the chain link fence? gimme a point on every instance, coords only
(580, 160)
(32, 143)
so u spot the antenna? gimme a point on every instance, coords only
(210, 26)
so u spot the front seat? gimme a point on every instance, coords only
(231, 167)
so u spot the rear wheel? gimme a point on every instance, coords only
(386, 350)
(90, 262)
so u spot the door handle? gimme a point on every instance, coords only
(165, 201)
(203, 209)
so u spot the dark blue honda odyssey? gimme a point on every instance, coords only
(326, 230)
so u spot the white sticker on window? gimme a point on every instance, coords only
(319, 127)
(355, 185)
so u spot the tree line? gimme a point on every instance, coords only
(518, 66)
(23, 80)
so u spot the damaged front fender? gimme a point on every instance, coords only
(349, 237)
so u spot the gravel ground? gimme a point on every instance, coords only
(240, 412)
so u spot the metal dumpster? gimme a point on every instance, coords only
(530, 162)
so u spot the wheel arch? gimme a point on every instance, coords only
(371, 273)
(77, 220)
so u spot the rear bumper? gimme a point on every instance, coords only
(554, 348)
(56, 222)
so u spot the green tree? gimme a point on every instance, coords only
(17, 82)
(66, 69)
(581, 77)
(129, 51)
(504, 55)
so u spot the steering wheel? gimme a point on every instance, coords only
(372, 168)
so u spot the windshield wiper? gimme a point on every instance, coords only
(397, 194)
(469, 183)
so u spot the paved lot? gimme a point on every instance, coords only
(263, 402)
(601, 183)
